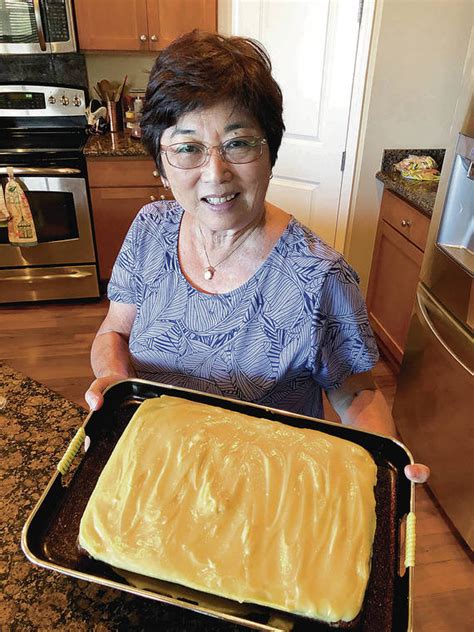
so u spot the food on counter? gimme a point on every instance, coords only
(418, 168)
(244, 508)
(421, 174)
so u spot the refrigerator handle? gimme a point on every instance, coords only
(39, 24)
(426, 316)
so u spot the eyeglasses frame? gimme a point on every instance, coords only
(260, 139)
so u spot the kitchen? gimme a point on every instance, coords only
(50, 342)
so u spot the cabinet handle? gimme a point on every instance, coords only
(143, 38)
(156, 173)
(152, 198)
(154, 38)
(406, 223)
(162, 197)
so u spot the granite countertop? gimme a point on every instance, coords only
(37, 426)
(117, 144)
(422, 194)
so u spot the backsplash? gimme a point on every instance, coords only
(68, 69)
(392, 156)
(114, 66)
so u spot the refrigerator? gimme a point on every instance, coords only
(434, 402)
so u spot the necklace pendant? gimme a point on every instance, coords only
(209, 273)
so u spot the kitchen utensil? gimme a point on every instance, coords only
(49, 537)
(120, 89)
(106, 89)
(99, 94)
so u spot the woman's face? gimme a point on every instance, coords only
(200, 190)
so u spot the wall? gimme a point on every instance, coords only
(413, 81)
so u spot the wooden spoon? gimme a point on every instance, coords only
(107, 89)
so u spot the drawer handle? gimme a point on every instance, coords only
(152, 198)
(406, 223)
(156, 173)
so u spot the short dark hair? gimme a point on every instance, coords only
(199, 70)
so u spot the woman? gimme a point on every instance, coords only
(221, 291)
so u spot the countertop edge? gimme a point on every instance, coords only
(411, 192)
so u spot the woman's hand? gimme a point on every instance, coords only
(94, 394)
(110, 357)
(367, 409)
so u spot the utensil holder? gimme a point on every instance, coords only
(115, 116)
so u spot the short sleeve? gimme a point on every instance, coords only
(122, 286)
(345, 343)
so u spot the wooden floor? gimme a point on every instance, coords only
(51, 342)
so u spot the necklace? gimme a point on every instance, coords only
(210, 270)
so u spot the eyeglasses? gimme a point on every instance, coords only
(238, 151)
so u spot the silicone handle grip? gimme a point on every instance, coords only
(73, 448)
(410, 540)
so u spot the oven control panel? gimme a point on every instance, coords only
(21, 100)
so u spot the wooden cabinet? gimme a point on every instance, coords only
(119, 187)
(140, 25)
(398, 253)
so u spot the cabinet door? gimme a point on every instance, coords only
(112, 24)
(168, 19)
(392, 288)
(113, 210)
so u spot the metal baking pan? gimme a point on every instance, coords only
(49, 537)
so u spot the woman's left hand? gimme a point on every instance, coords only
(367, 409)
(417, 473)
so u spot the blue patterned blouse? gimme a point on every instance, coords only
(297, 325)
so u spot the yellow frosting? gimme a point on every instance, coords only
(240, 507)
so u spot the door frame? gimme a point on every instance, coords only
(356, 124)
(361, 86)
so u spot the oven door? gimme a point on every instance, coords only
(61, 213)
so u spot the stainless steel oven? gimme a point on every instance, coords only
(36, 26)
(42, 134)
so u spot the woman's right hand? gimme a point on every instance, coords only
(94, 394)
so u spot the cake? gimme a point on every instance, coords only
(245, 508)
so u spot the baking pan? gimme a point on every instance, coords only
(49, 537)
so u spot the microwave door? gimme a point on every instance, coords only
(60, 30)
(22, 27)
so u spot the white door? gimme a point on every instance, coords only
(312, 45)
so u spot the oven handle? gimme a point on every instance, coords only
(76, 274)
(40, 171)
(39, 24)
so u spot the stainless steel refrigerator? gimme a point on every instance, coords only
(434, 402)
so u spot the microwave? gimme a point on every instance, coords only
(36, 26)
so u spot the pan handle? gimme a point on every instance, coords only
(410, 540)
(73, 448)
